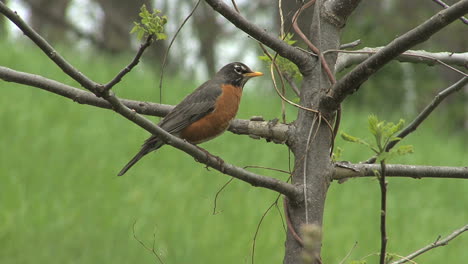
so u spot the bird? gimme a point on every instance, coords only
(205, 113)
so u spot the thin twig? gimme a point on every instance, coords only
(355, 78)
(425, 113)
(353, 44)
(169, 48)
(258, 228)
(132, 64)
(289, 223)
(152, 250)
(301, 59)
(292, 83)
(286, 99)
(383, 213)
(439, 242)
(235, 6)
(349, 253)
(217, 194)
(298, 30)
(441, 3)
(419, 57)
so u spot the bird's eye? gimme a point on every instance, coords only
(238, 69)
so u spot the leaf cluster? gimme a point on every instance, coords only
(384, 133)
(285, 65)
(151, 23)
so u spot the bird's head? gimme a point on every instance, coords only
(236, 73)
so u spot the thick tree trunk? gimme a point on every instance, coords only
(312, 141)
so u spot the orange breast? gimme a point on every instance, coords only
(215, 123)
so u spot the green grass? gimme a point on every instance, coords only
(62, 203)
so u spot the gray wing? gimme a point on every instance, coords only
(195, 106)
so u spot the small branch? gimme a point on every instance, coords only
(350, 45)
(152, 249)
(344, 170)
(300, 58)
(269, 130)
(201, 156)
(311, 46)
(132, 64)
(347, 58)
(441, 3)
(71, 27)
(292, 83)
(383, 212)
(353, 80)
(425, 113)
(48, 49)
(437, 243)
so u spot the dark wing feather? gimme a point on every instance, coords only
(195, 106)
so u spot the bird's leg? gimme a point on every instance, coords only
(208, 155)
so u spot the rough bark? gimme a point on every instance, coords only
(312, 141)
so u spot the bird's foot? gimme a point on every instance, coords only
(208, 155)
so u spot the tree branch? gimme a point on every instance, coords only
(433, 245)
(344, 170)
(352, 57)
(444, 5)
(425, 113)
(269, 130)
(48, 49)
(300, 58)
(353, 80)
(201, 156)
(133, 63)
(338, 11)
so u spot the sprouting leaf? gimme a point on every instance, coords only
(405, 149)
(285, 65)
(150, 24)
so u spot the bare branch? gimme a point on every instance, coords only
(383, 211)
(132, 64)
(353, 80)
(78, 95)
(269, 130)
(433, 245)
(443, 4)
(347, 58)
(201, 156)
(338, 11)
(300, 58)
(48, 49)
(425, 113)
(344, 170)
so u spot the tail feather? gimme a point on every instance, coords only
(147, 148)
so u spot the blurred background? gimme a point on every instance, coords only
(62, 203)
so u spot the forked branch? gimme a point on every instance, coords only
(438, 243)
(300, 58)
(201, 156)
(353, 80)
(269, 130)
(347, 58)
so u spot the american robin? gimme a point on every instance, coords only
(205, 113)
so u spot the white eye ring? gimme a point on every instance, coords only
(238, 69)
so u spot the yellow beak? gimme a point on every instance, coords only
(253, 74)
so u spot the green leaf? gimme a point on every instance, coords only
(348, 137)
(405, 149)
(285, 65)
(150, 24)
